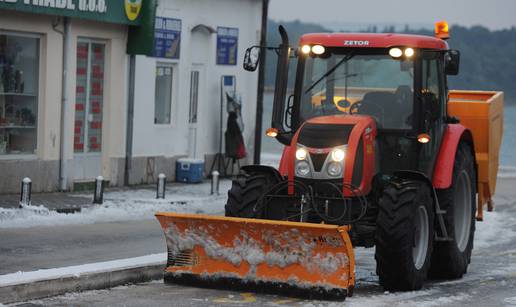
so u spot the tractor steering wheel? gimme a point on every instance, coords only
(355, 108)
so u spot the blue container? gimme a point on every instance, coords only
(189, 170)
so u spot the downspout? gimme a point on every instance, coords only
(261, 83)
(65, 129)
(130, 119)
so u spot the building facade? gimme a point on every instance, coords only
(62, 125)
(65, 87)
(179, 90)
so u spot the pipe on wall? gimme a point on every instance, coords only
(65, 94)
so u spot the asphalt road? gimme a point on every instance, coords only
(490, 281)
(29, 249)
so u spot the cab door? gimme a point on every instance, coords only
(433, 104)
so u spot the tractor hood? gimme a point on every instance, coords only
(338, 147)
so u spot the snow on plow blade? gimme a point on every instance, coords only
(289, 255)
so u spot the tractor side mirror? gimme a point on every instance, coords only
(251, 58)
(451, 62)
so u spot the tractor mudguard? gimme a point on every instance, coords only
(443, 169)
(253, 251)
(262, 169)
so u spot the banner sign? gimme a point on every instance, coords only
(114, 11)
(167, 38)
(227, 46)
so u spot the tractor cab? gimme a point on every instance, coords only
(398, 80)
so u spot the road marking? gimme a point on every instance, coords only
(245, 298)
(287, 301)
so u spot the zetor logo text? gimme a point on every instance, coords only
(356, 43)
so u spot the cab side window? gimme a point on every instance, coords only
(430, 89)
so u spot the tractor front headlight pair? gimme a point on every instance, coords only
(334, 169)
(302, 168)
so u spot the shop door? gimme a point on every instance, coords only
(89, 101)
(195, 85)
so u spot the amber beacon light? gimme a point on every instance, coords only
(442, 30)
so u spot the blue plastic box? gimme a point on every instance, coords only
(189, 170)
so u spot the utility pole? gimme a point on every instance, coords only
(261, 84)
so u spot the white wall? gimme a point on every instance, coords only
(172, 140)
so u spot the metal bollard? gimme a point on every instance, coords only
(160, 186)
(98, 195)
(215, 182)
(26, 189)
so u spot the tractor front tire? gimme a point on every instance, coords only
(246, 190)
(404, 235)
(450, 260)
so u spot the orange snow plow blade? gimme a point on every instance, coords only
(288, 255)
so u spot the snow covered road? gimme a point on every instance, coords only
(491, 279)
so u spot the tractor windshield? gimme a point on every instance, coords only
(348, 83)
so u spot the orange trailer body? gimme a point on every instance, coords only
(482, 113)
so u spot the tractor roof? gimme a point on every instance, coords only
(373, 40)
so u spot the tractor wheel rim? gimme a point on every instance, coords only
(462, 210)
(420, 248)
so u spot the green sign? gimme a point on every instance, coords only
(141, 39)
(113, 11)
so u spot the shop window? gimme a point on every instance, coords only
(163, 94)
(194, 96)
(19, 63)
(89, 97)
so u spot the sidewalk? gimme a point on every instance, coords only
(62, 202)
(72, 202)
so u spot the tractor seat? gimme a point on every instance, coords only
(375, 105)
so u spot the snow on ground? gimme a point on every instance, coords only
(494, 229)
(507, 172)
(424, 298)
(78, 270)
(124, 205)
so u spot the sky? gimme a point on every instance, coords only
(493, 14)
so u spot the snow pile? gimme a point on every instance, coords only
(78, 270)
(122, 206)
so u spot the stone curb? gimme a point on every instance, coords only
(87, 281)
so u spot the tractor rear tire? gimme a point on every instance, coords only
(450, 260)
(246, 190)
(404, 235)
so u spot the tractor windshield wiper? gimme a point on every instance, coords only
(331, 70)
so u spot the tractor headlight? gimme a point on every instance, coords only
(338, 155)
(302, 168)
(334, 169)
(301, 154)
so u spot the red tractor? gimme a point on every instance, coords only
(378, 152)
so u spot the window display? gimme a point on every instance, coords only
(19, 63)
